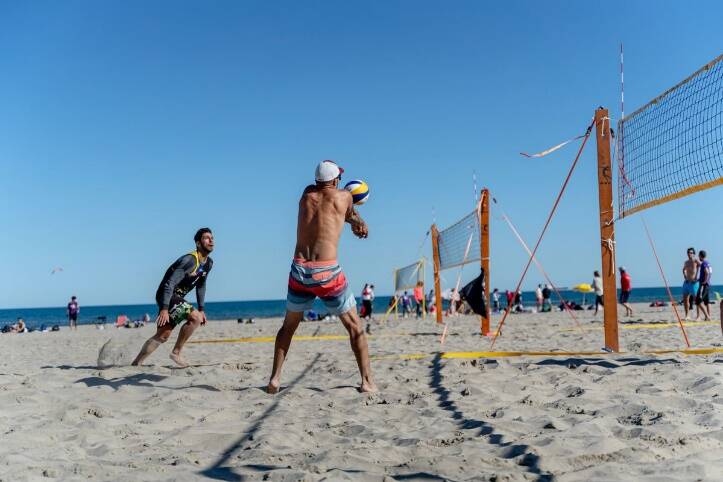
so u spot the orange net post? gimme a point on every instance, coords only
(485, 255)
(437, 287)
(607, 229)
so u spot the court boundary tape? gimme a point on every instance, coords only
(456, 355)
(271, 339)
(640, 326)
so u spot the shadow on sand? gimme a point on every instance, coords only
(219, 472)
(137, 380)
(527, 459)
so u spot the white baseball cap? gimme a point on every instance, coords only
(327, 171)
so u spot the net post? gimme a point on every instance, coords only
(607, 228)
(485, 254)
(437, 288)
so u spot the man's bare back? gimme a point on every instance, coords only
(323, 210)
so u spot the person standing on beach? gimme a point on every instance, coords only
(702, 297)
(419, 298)
(690, 281)
(546, 295)
(186, 273)
(73, 311)
(315, 272)
(367, 299)
(597, 288)
(496, 300)
(538, 298)
(625, 288)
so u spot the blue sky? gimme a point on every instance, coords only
(124, 126)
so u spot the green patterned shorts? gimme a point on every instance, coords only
(179, 310)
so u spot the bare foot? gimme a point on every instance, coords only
(135, 363)
(368, 387)
(273, 387)
(179, 360)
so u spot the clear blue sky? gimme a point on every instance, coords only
(126, 125)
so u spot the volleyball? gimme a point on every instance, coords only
(359, 191)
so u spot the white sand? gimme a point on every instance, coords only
(631, 417)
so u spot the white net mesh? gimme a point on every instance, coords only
(408, 276)
(460, 244)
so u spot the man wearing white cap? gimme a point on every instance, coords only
(315, 272)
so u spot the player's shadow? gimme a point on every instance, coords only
(218, 471)
(526, 458)
(71, 367)
(574, 362)
(138, 380)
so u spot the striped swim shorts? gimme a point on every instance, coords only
(309, 280)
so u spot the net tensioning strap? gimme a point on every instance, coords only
(454, 242)
(673, 146)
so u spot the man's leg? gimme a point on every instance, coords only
(721, 317)
(686, 304)
(194, 321)
(359, 346)
(161, 336)
(281, 347)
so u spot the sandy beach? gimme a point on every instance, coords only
(631, 416)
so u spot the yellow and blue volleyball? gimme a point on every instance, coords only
(359, 191)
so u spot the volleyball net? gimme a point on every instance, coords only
(459, 243)
(409, 276)
(466, 241)
(672, 146)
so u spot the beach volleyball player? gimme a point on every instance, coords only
(315, 272)
(186, 273)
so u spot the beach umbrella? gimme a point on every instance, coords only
(583, 288)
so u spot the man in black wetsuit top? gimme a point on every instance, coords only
(186, 273)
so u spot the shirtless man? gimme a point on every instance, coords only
(690, 280)
(186, 273)
(323, 210)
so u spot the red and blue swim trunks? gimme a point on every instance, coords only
(325, 280)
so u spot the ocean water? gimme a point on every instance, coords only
(225, 310)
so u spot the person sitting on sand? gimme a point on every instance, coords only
(20, 326)
(315, 272)
(186, 273)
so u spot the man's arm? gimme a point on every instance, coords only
(358, 226)
(187, 263)
(201, 293)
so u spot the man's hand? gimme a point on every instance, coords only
(358, 226)
(360, 229)
(163, 317)
(203, 317)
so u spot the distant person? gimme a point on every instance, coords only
(367, 300)
(20, 327)
(546, 295)
(518, 300)
(187, 273)
(406, 305)
(418, 295)
(73, 311)
(538, 298)
(454, 300)
(315, 271)
(509, 296)
(690, 281)
(496, 300)
(702, 297)
(430, 300)
(625, 288)
(597, 288)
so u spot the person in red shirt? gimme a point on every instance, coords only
(625, 289)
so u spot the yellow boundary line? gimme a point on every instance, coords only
(640, 326)
(456, 355)
(271, 339)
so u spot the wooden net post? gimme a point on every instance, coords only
(437, 287)
(607, 229)
(485, 254)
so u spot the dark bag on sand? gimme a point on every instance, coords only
(474, 294)
(55, 328)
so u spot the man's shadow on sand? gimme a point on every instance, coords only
(219, 472)
(138, 380)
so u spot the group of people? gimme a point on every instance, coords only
(314, 273)
(407, 305)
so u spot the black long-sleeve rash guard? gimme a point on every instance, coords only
(185, 274)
